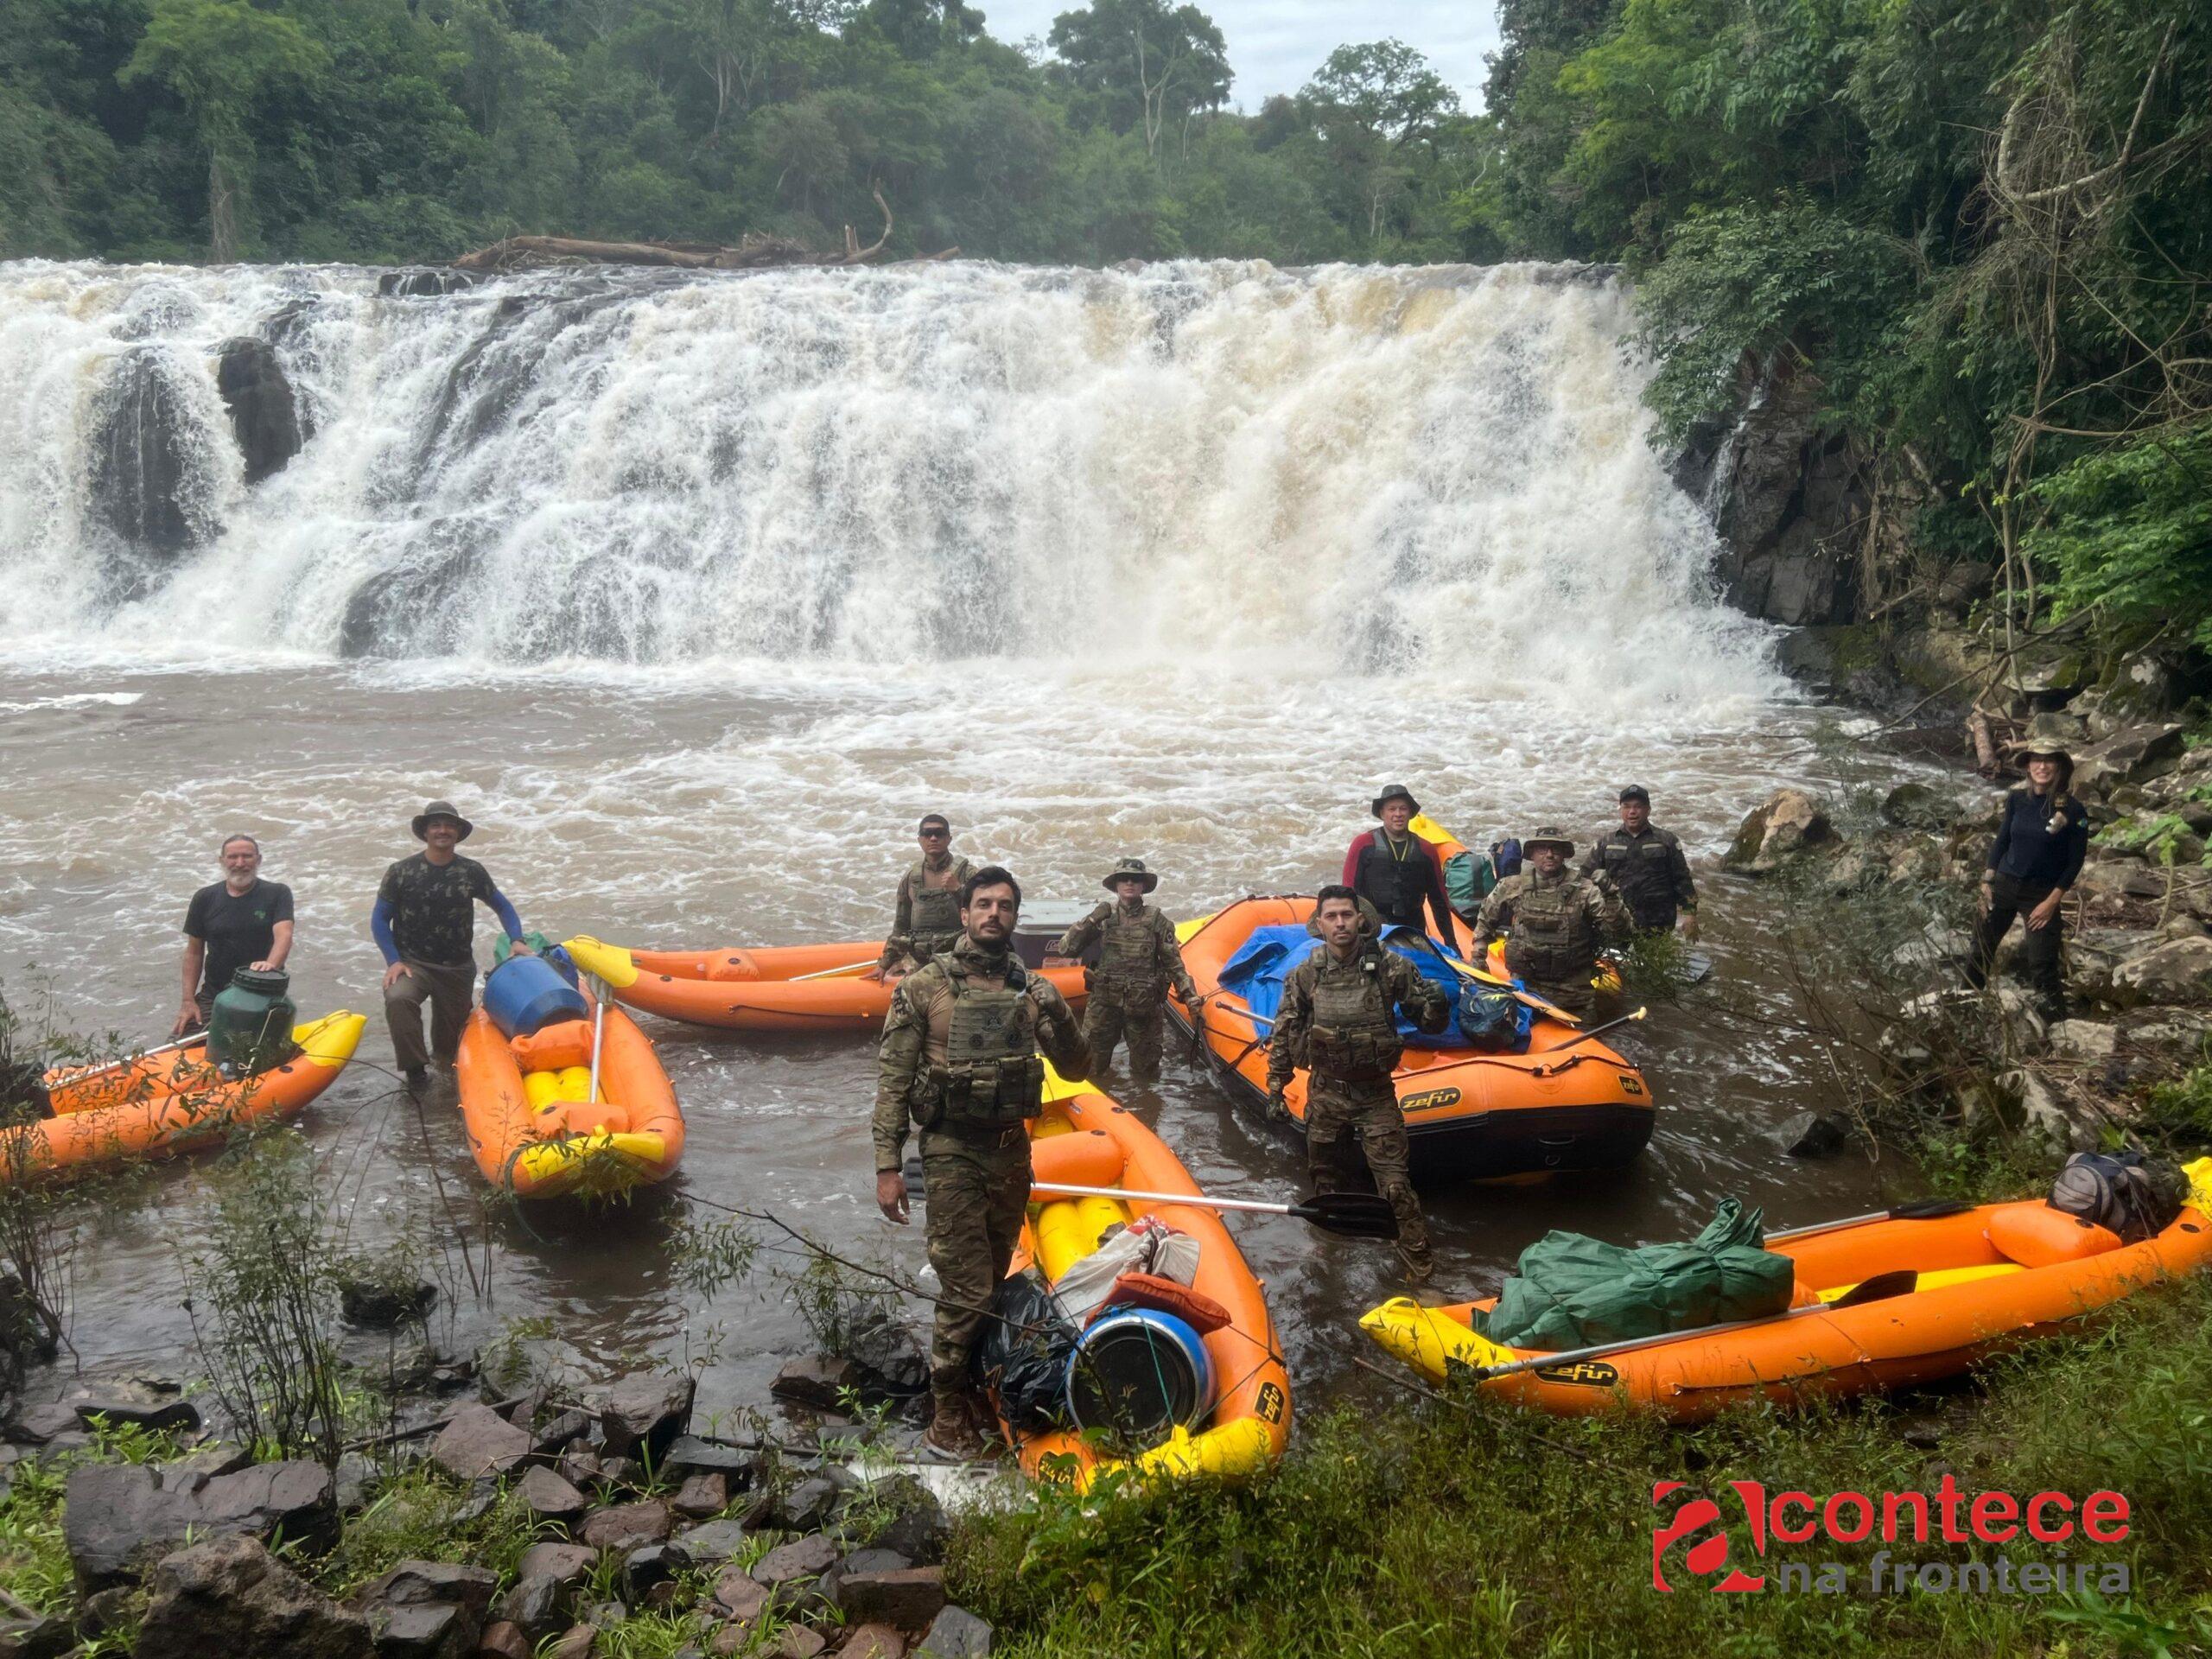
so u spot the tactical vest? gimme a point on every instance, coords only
(1551, 937)
(1396, 886)
(1645, 872)
(1352, 1038)
(992, 1077)
(1128, 953)
(934, 913)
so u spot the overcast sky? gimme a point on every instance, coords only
(1274, 46)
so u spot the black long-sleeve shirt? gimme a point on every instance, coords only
(2037, 844)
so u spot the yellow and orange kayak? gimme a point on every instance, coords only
(536, 1129)
(775, 988)
(1987, 1279)
(1469, 1113)
(171, 1102)
(1084, 1139)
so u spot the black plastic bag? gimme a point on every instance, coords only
(1022, 1357)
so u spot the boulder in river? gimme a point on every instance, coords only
(644, 1414)
(149, 477)
(1787, 823)
(264, 414)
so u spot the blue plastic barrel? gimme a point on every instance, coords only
(524, 994)
(1137, 1373)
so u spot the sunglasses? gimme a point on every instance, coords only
(936, 835)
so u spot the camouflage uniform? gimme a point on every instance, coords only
(926, 918)
(1138, 961)
(1552, 927)
(1649, 870)
(1335, 1020)
(973, 1106)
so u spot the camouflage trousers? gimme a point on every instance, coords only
(975, 1193)
(1575, 996)
(1106, 1023)
(1342, 1118)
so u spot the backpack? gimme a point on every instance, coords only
(1505, 857)
(1468, 879)
(2134, 1196)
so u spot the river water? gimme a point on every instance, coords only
(695, 594)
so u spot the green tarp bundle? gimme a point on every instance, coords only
(1570, 1291)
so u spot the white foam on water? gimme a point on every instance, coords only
(1221, 469)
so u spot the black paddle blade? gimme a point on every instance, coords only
(1350, 1215)
(1879, 1288)
(1929, 1208)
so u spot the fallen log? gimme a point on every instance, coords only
(757, 252)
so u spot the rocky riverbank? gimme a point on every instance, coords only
(541, 1525)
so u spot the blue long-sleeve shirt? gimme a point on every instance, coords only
(2034, 843)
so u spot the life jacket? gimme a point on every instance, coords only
(1396, 886)
(1551, 938)
(1128, 956)
(933, 912)
(992, 1077)
(1352, 1038)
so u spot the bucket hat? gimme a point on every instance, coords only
(1130, 867)
(1394, 792)
(2048, 734)
(1550, 834)
(440, 810)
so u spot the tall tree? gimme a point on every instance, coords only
(221, 59)
(1379, 109)
(1156, 65)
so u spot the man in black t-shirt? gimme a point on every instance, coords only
(240, 922)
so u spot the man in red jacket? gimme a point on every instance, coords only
(1395, 871)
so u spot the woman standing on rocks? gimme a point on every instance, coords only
(2037, 854)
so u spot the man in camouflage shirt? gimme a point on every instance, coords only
(959, 1058)
(925, 913)
(1138, 960)
(1553, 922)
(425, 924)
(1337, 1019)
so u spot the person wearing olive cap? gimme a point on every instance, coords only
(1553, 922)
(2041, 841)
(1647, 866)
(425, 924)
(1395, 872)
(1138, 960)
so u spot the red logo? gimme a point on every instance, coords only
(1708, 1555)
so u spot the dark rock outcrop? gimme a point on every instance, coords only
(232, 1596)
(264, 414)
(149, 481)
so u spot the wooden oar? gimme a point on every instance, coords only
(1918, 1210)
(1881, 1288)
(1348, 1215)
(831, 973)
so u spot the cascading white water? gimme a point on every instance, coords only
(1443, 468)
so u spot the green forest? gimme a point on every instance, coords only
(1984, 227)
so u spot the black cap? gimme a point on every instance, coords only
(1637, 792)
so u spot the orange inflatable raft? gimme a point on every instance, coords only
(1084, 1139)
(162, 1103)
(1985, 1278)
(535, 1126)
(776, 987)
(1469, 1113)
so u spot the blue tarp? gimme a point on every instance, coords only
(1256, 971)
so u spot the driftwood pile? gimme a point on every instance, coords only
(753, 252)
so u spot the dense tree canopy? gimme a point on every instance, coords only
(404, 129)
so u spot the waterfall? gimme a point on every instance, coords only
(1439, 470)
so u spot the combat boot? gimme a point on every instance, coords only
(1420, 1265)
(953, 1435)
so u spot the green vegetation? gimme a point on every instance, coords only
(1985, 229)
(1467, 1528)
(409, 130)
